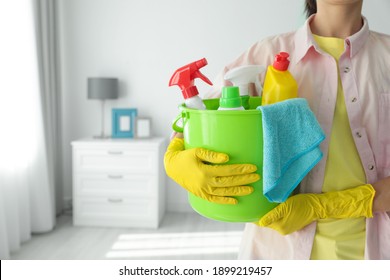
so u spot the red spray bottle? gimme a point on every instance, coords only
(184, 78)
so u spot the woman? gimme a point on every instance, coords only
(343, 211)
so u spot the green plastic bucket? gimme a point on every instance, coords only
(238, 134)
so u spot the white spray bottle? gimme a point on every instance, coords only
(242, 76)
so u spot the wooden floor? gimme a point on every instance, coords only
(180, 236)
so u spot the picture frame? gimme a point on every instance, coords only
(123, 122)
(143, 127)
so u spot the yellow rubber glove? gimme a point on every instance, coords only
(193, 169)
(302, 209)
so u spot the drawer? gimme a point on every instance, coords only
(116, 213)
(115, 159)
(115, 184)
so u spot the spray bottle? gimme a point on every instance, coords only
(279, 84)
(184, 78)
(230, 99)
(242, 76)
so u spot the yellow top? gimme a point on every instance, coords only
(340, 238)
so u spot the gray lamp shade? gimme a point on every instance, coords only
(102, 88)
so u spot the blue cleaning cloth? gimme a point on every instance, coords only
(291, 139)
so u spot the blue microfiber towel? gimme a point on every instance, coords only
(291, 139)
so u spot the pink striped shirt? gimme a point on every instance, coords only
(365, 75)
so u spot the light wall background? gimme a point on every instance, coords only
(142, 42)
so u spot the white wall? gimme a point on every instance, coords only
(142, 42)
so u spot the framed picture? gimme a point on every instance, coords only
(143, 127)
(123, 122)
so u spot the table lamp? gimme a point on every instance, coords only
(102, 89)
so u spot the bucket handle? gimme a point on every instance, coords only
(175, 127)
(182, 116)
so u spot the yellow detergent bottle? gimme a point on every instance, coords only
(279, 84)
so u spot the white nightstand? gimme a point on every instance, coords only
(118, 182)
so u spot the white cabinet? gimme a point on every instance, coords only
(118, 182)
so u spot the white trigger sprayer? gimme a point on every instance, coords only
(242, 76)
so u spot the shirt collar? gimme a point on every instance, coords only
(304, 40)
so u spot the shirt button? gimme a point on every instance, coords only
(354, 99)
(371, 167)
(347, 69)
(358, 134)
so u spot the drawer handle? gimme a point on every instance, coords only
(116, 153)
(116, 177)
(115, 200)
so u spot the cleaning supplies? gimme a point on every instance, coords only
(230, 99)
(242, 77)
(184, 78)
(239, 134)
(279, 84)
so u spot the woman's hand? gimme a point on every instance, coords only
(205, 174)
(382, 196)
(300, 210)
